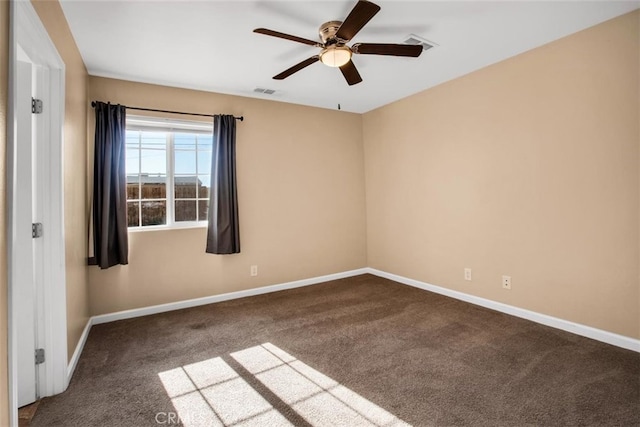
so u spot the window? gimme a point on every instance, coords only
(168, 167)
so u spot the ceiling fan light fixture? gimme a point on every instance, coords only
(335, 35)
(335, 56)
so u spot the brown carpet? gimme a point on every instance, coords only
(424, 358)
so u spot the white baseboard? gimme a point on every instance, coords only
(144, 311)
(78, 351)
(554, 322)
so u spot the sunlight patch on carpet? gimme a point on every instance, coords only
(212, 393)
(320, 400)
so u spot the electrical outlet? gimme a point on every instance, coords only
(254, 270)
(506, 282)
(467, 274)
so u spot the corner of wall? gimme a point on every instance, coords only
(512, 175)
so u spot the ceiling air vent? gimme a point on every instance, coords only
(265, 91)
(413, 39)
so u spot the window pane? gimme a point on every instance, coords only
(154, 213)
(203, 186)
(133, 160)
(133, 190)
(154, 140)
(185, 210)
(154, 186)
(154, 161)
(133, 210)
(205, 180)
(185, 187)
(204, 142)
(148, 180)
(185, 140)
(132, 137)
(185, 162)
(203, 207)
(204, 161)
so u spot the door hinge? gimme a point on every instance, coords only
(36, 106)
(39, 356)
(36, 230)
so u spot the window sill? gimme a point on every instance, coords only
(188, 226)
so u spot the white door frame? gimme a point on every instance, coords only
(28, 32)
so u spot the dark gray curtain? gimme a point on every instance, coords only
(223, 234)
(110, 243)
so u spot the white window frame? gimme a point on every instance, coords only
(170, 126)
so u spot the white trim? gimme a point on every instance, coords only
(152, 123)
(54, 266)
(28, 33)
(565, 325)
(12, 119)
(71, 368)
(182, 225)
(170, 174)
(575, 328)
(145, 311)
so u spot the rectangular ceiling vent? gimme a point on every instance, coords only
(413, 39)
(265, 91)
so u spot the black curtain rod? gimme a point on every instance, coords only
(241, 118)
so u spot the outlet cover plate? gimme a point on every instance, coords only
(506, 282)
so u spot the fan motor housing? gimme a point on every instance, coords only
(328, 30)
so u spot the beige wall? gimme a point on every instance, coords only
(4, 67)
(301, 202)
(75, 154)
(527, 168)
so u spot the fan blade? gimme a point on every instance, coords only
(286, 36)
(350, 73)
(361, 13)
(412, 50)
(286, 73)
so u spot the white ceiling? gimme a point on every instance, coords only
(209, 45)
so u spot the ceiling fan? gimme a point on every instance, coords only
(335, 35)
